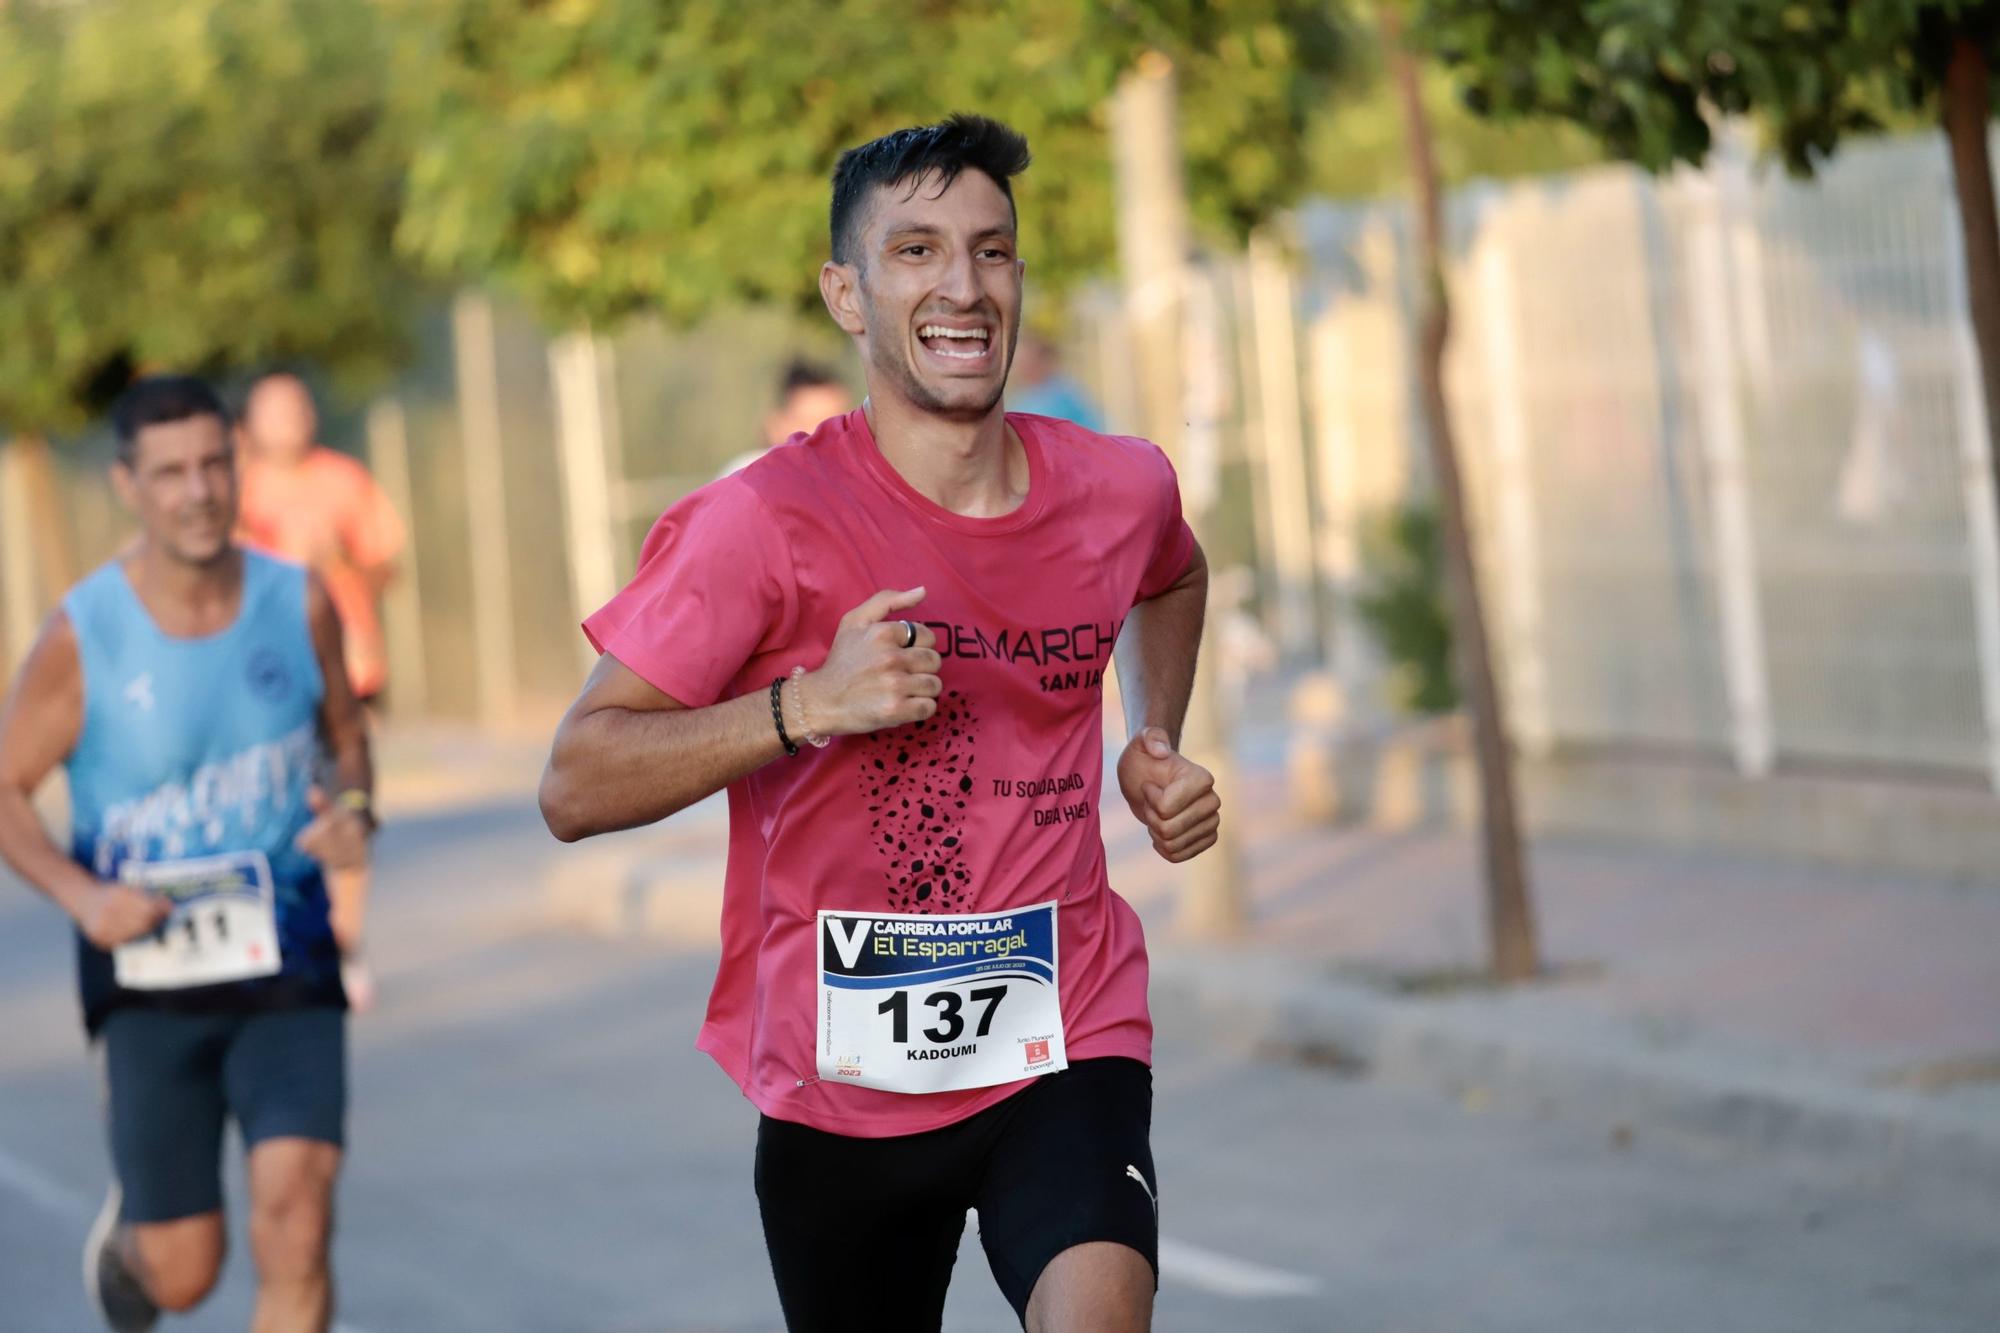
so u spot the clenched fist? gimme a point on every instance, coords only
(338, 836)
(879, 673)
(117, 914)
(1173, 796)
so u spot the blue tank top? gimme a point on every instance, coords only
(195, 746)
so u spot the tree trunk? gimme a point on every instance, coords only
(1510, 918)
(1967, 85)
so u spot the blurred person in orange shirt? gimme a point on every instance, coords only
(307, 503)
(304, 502)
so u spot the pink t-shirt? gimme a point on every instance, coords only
(748, 577)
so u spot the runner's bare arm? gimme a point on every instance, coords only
(339, 833)
(1173, 796)
(1156, 652)
(629, 754)
(39, 725)
(343, 723)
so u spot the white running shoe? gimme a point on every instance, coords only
(114, 1290)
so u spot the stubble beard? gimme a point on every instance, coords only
(889, 361)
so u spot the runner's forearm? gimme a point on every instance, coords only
(1156, 653)
(353, 762)
(26, 847)
(617, 768)
(347, 890)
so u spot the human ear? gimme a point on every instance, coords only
(839, 287)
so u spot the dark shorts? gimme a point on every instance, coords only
(863, 1233)
(173, 1079)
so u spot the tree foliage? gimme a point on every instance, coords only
(1356, 141)
(1646, 76)
(605, 157)
(202, 184)
(1404, 603)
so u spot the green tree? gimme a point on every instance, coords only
(1648, 77)
(1356, 148)
(605, 157)
(1405, 605)
(203, 185)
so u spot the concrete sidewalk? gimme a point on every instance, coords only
(1753, 1005)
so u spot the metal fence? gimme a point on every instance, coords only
(1725, 448)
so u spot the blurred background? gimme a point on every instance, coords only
(1587, 412)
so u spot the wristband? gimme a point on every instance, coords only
(361, 803)
(813, 738)
(778, 716)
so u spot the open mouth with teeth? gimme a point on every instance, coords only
(956, 344)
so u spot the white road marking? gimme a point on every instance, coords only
(1221, 1275)
(52, 1197)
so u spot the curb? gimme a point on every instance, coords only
(1536, 1050)
(1539, 1052)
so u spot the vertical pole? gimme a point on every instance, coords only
(1289, 501)
(1263, 527)
(1347, 647)
(17, 563)
(1153, 240)
(615, 480)
(1518, 574)
(574, 364)
(1114, 357)
(1976, 477)
(1721, 410)
(402, 601)
(486, 506)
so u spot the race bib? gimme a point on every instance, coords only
(937, 1003)
(224, 925)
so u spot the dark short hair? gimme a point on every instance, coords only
(944, 149)
(157, 400)
(803, 374)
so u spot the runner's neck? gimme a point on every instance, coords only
(187, 601)
(976, 469)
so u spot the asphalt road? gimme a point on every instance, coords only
(536, 1146)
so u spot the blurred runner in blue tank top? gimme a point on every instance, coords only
(1040, 386)
(193, 690)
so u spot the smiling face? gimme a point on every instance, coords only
(935, 294)
(181, 484)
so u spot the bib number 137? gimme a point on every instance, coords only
(914, 1003)
(950, 1006)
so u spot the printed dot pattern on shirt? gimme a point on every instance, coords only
(917, 781)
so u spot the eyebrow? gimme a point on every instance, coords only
(907, 230)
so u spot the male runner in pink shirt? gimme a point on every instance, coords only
(888, 641)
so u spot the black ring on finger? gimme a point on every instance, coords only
(910, 633)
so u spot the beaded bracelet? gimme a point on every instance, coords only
(778, 716)
(813, 738)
